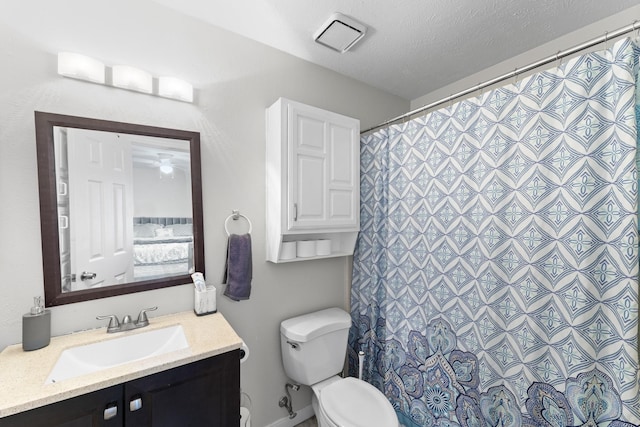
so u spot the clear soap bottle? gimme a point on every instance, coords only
(36, 327)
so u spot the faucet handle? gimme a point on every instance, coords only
(114, 324)
(143, 320)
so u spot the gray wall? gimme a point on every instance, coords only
(236, 80)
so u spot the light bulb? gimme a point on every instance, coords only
(166, 169)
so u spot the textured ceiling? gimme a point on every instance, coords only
(412, 47)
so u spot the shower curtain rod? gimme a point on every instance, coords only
(561, 54)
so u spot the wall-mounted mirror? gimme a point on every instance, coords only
(120, 207)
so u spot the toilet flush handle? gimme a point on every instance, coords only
(294, 345)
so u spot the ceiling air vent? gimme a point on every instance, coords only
(340, 33)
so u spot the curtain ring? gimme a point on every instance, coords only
(606, 45)
(559, 59)
(515, 75)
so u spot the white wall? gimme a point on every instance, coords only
(236, 80)
(161, 195)
(570, 40)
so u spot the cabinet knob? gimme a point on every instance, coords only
(135, 404)
(110, 411)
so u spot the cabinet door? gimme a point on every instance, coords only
(100, 408)
(323, 175)
(203, 393)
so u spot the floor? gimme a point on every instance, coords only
(311, 422)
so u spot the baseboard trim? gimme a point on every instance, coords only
(303, 414)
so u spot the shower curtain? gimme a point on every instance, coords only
(495, 278)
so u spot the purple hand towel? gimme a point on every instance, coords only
(238, 269)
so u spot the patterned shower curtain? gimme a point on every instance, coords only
(495, 277)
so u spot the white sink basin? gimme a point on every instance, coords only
(129, 347)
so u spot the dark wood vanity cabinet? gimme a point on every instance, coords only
(202, 393)
(82, 411)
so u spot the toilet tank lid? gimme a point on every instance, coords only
(309, 326)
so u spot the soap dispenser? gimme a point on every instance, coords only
(36, 327)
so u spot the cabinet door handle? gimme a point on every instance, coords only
(110, 411)
(135, 404)
(295, 212)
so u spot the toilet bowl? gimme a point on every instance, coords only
(313, 348)
(352, 402)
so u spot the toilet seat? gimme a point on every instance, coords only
(355, 403)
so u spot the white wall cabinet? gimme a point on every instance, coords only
(313, 179)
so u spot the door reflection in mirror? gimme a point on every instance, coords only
(124, 208)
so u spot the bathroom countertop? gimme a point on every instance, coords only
(23, 373)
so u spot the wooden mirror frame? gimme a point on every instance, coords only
(45, 123)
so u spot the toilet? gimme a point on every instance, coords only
(313, 349)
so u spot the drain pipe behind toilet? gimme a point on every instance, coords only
(360, 363)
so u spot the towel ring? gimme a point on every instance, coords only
(234, 216)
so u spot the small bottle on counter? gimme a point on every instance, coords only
(36, 327)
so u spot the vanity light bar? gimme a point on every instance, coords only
(80, 67)
(122, 76)
(171, 87)
(131, 78)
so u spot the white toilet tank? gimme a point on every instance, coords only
(314, 345)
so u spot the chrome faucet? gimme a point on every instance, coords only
(127, 324)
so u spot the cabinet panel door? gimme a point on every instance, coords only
(307, 204)
(203, 393)
(323, 175)
(87, 410)
(344, 177)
